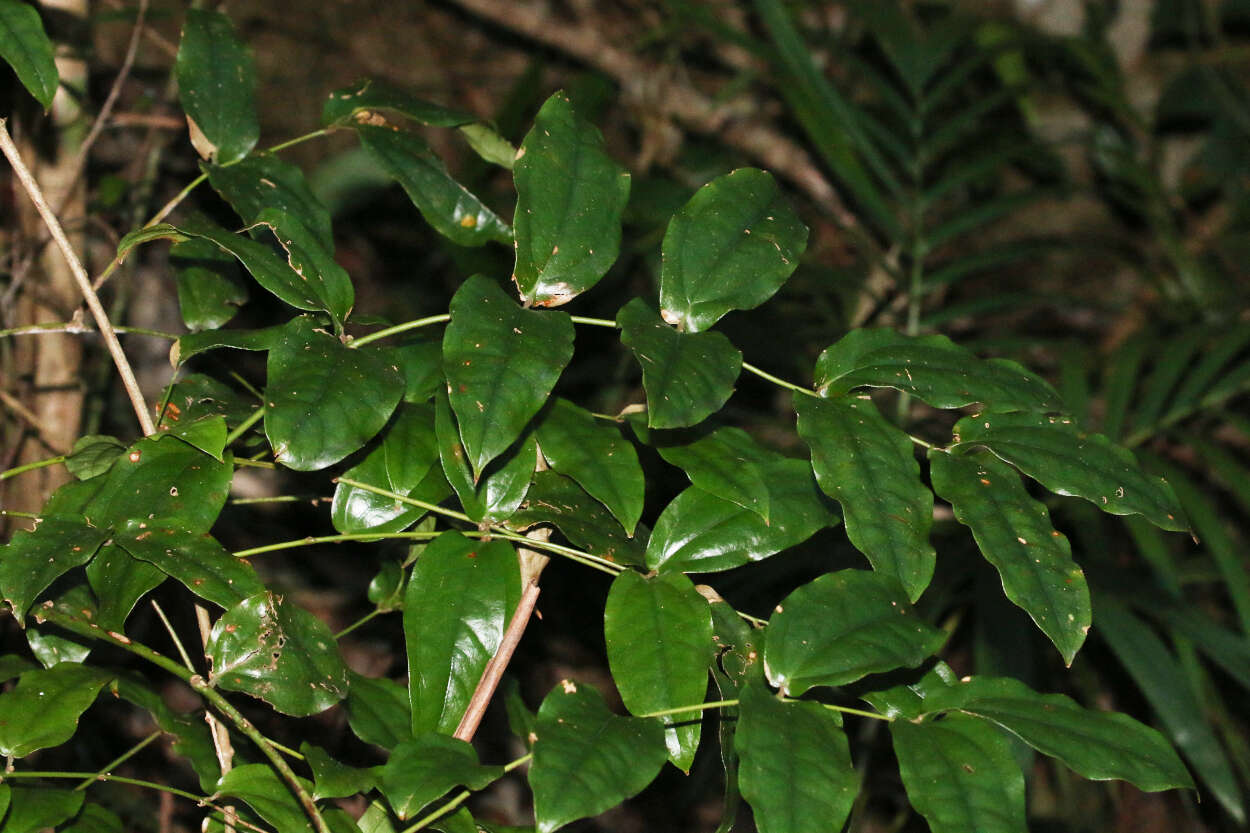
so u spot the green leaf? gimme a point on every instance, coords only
(313, 262)
(189, 733)
(426, 767)
(453, 210)
(146, 234)
(932, 368)
(345, 104)
(52, 645)
(92, 455)
(11, 665)
(267, 794)
(43, 710)
(1015, 534)
(701, 533)
(459, 599)
(216, 85)
(726, 462)
(35, 809)
(593, 452)
(195, 343)
(687, 376)
(332, 779)
(420, 358)
(841, 627)
(33, 560)
(1068, 461)
(262, 181)
(95, 818)
(406, 462)
(325, 400)
(867, 465)
(501, 363)
(555, 499)
(796, 768)
(278, 652)
(730, 247)
(210, 290)
(198, 562)
(386, 589)
(1098, 745)
(208, 434)
(586, 759)
(659, 637)
(501, 488)
(960, 775)
(25, 46)
(196, 396)
(489, 145)
(570, 197)
(377, 710)
(118, 581)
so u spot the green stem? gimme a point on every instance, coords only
(593, 322)
(750, 368)
(421, 504)
(399, 328)
(118, 761)
(242, 427)
(38, 464)
(334, 539)
(699, 707)
(368, 617)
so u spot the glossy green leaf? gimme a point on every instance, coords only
(118, 581)
(406, 462)
(908, 701)
(459, 599)
(659, 638)
(932, 368)
(687, 376)
(377, 710)
(1096, 744)
(501, 363)
(195, 343)
(1066, 460)
(737, 664)
(1015, 534)
(346, 105)
(701, 533)
(501, 488)
(386, 589)
(25, 46)
(842, 626)
(95, 818)
(264, 180)
(420, 358)
(453, 210)
(208, 434)
(51, 644)
(796, 768)
(33, 560)
(146, 234)
(489, 145)
(426, 767)
(312, 261)
(334, 779)
(11, 665)
(216, 85)
(586, 759)
(555, 499)
(210, 290)
(570, 197)
(267, 794)
(324, 400)
(730, 247)
(867, 465)
(593, 452)
(92, 455)
(196, 396)
(278, 652)
(197, 562)
(43, 710)
(960, 775)
(726, 462)
(36, 809)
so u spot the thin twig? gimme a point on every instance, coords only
(80, 275)
(216, 729)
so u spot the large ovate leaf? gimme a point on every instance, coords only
(32, 560)
(267, 794)
(197, 561)
(1066, 460)
(960, 775)
(593, 452)
(426, 767)
(867, 465)
(210, 290)
(453, 210)
(1014, 534)
(43, 710)
(419, 357)
(687, 376)
(659, 637)
(216, 85)
(570, 197)
(346, 105)
(501, 362)
(1096, 744)
(502, 487)
(377, 710)
(25, 46)
(208, 434)
(459, 599)
(334, 779)
(406, 462)
(555, 499)
(586, 759)
(118, 580)
(36, 809)
(313, 261)
(93, 455)
(727, 462)
(324, 400)
(932, 368)
(699, 532)
(795, 767)
(278, 652)
(730, 247)
(842, 626)
(264, 180)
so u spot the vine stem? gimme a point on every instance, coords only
(38, 464)
(80, 276)
(400, 328)
(118, 761)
